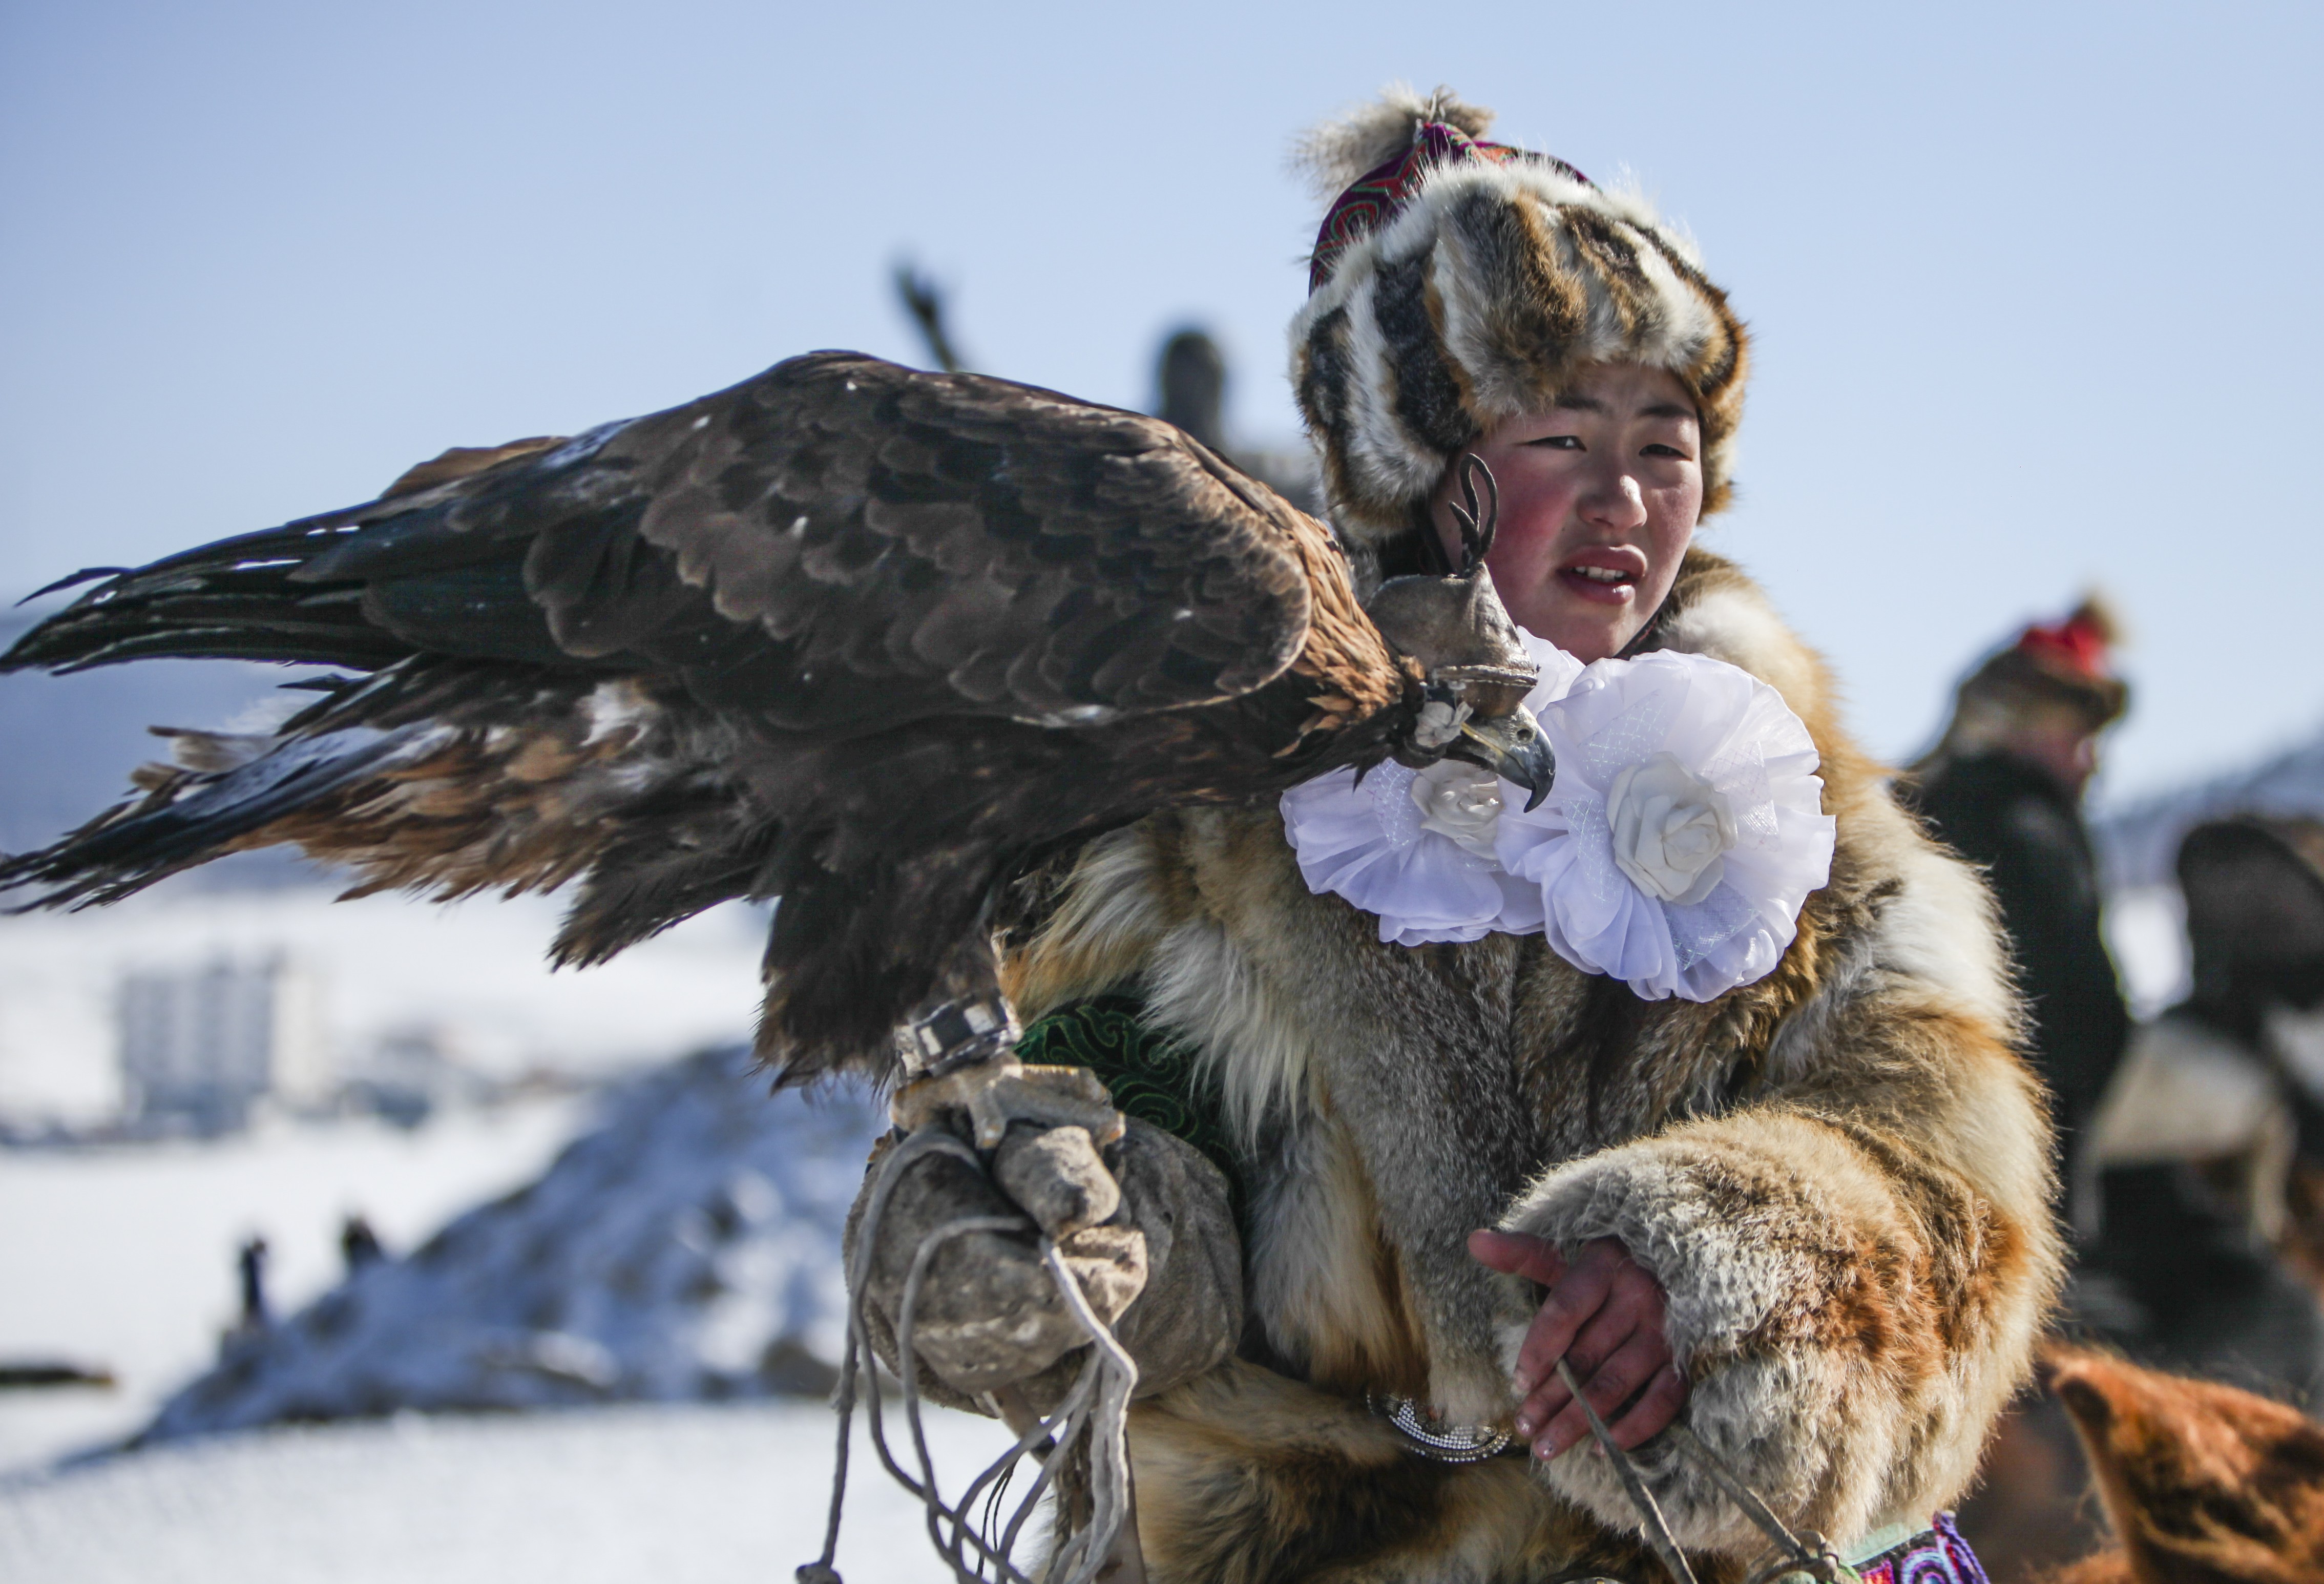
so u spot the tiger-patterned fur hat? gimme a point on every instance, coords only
(1457, 282)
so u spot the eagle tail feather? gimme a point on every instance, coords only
(445, 781)
(191, 815)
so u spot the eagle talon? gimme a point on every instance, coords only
(999, 1092)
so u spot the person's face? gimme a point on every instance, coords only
(2060, 742)
(1599, 498)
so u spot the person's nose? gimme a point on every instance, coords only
(1611, 501)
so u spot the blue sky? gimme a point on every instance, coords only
(2035, 289)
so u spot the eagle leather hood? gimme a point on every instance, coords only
(1459, 283)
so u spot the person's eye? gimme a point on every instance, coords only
(1558, 443)
(1659, 449)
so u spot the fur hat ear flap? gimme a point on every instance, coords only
(1335, 153)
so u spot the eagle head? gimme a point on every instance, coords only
(1474, 671)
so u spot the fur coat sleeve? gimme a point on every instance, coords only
(1859, 1252)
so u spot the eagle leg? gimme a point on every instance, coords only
(1001, 1089)
(960, 1055)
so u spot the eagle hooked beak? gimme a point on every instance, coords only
(1513, 748)
(1510, 742)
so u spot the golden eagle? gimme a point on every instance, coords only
(871, 640)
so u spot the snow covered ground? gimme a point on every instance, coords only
(729, 1494)
(2146, 931)
(124, 1255)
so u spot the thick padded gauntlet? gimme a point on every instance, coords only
(1147, 1234)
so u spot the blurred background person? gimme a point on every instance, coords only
(2208, 1149)
(2004, 788)
(1190, 389)
(359, 1245)
(250, 1274)
(1189, 380)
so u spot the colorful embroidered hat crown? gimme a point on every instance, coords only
(1457, 282)
(1375, 196)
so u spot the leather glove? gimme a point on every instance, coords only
(990, 1314)
(1144, 1229)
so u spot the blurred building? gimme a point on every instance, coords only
(199, 1047)
(412, 1071)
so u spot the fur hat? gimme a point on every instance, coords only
(2068, 663)
(1457, 282)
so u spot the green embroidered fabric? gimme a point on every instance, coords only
(1150, 1075)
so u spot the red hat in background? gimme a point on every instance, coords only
(2080, 647)
(2070, 662)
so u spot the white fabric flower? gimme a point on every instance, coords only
(1461, 802)
(1422, 856)
(1671, 830)
(1724, 735)
(1370, 843)
(1684, 830)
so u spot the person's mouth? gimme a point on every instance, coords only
(1604, 577)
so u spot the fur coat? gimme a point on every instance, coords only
(1840, 1175)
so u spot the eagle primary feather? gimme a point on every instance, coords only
(863, 637)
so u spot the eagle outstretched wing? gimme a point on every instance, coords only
(838, 544)
(857, 636)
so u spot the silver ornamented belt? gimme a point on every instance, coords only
(1427, 1436)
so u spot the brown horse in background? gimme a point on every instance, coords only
(2201, 1483)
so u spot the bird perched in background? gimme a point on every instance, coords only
(869, 640)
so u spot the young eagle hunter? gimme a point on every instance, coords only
(1388, 1186)
(996, 689)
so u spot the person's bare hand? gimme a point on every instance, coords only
(1605, 1315)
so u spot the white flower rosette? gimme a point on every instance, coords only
(1684, 830)
(1418, 848)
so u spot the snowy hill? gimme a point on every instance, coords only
(689, 1248)
(123, 1255)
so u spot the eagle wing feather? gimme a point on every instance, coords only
(835, 542)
